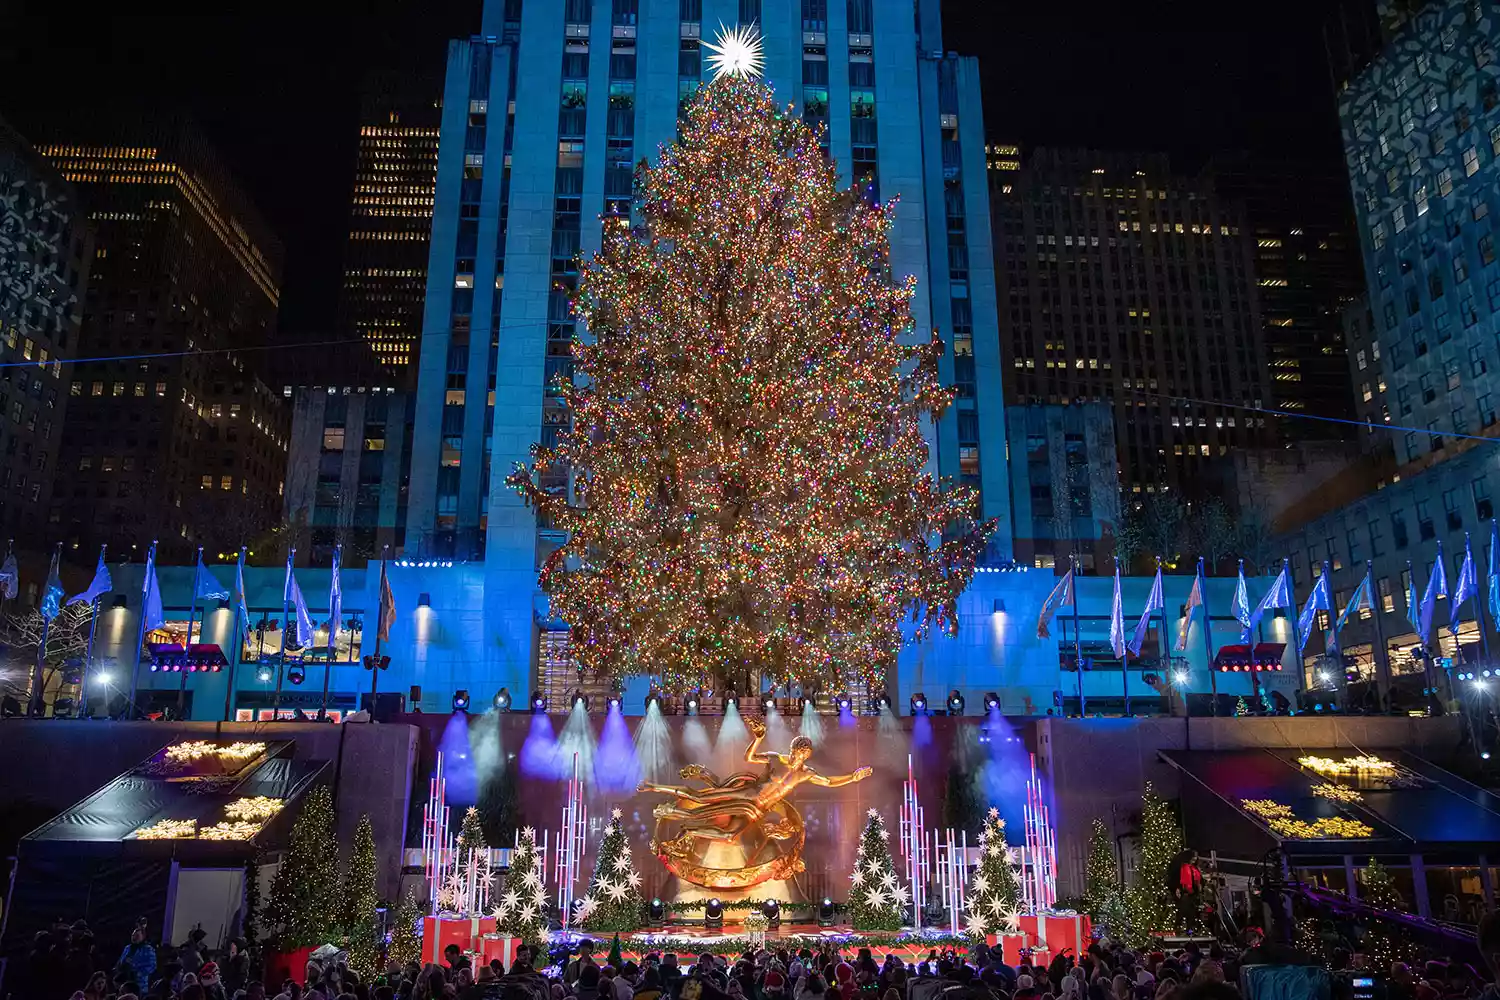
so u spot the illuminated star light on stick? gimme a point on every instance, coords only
(736, 51)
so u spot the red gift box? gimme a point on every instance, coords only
(493, 946)
(439, 932)
(1055, 933)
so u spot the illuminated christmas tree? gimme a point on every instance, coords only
(360, 900)
(1148, 908)
(1379, 888)
(406, 936)
(750, 487)
(877, 900)
(1102, 877)
(521, 909)
(613, 902)
(995, 889)
(304, 905)
(471, 833)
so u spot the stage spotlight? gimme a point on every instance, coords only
(713, 914)
(502, 700)
(919, 704)
(804, 703)
(772, 911)
(955, 703)
(991, 701)
(613, 702)
(1484, 755)
(296, 674)
(690, 707)
(579, 698)
(768, 704)
(538, 703)
(845, 703)
(658, 913)
(1181, 677)
(731, 698)
(883, 703)
(461, 700)
(653, 697)
(265, 675)
(825, 913)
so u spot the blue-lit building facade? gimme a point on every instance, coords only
(546, 112)
(1421, 129)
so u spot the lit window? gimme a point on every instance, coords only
(1471, 161)
(1445, 182)
(226, 482)
(207, 483)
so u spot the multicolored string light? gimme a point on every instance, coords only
(750, 488)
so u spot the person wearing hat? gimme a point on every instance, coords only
(775, 984)
(210, 980)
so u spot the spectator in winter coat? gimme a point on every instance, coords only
(140, 957)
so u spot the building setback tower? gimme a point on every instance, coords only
(545, 114)
(1123, 282)
(385, 263)
(172, 434)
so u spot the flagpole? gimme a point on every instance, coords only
(1254, 671)
(1125, 660)
(234, 638)
(187, 648)
(1077, 637)
(140, 637)
(333, 630)
(1484, 635)
(286, 597)
(1296, 632)
(38, 705)
(1382, 658)
(1168, 674)
(375, 663)
(1208, 640)
(88, 656)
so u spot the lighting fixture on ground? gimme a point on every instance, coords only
(461, 700)
(502, 700)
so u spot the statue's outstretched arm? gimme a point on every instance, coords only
(837, 780)
(753, 753)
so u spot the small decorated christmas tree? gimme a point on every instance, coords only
(360, 900)
(406, 938)
(521, 910)
(1102, 876)
(1379, 889)
(304, 906)
(471, 834)
(995, 889)
(613, 902)
(1148, 909)
(877, 901)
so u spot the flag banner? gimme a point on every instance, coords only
(335, 599)
(1437, 586)
(1194, 601)
(1061, 594)
(1242, 605)
(10, 577)
(1467, 586)
(387, 607)
(1361, 596)
(98, 587)
(204, 584)
(1413, 602)
(1117, 619)
(1279, 596)
(52, 594)
(1494, 573)
(1153, 603)
(239, 591)
(1318, 600)
(303, 619)
(154, 618)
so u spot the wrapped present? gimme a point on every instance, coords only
(441, 931)
(493, 946)
(1055, 932)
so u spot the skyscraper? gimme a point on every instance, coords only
(1121, 281)
(45, 253)
(385, 264)
(174, 437)
(545, 114)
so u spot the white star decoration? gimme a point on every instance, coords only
(511, 900)
(533, 878)
(615, 813)
(995, 907)
(876, 897)
(902, 894)
(622, 863)
(1011, 920)
(857, 876)
(980, 884)
(528, 835)
(528, 914)
(888, 880)
(873, 813)
(736, 51)
(994, 813)
(974, 925)
(634, 879)
(616, 891)
(584, 907)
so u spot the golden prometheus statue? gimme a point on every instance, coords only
(746, 811)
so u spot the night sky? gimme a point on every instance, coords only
(276, 87)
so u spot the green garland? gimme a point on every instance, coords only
(699, 905)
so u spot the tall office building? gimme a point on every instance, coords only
(1307, 271)
(166, 440)
(45, 253)
(1122, 282)
(545, 114)
(385, 263)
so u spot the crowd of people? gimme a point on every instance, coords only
(64, 963)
